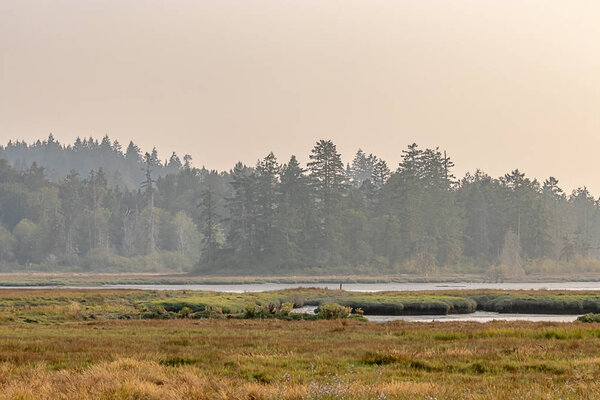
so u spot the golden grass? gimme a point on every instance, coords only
(274, 359)
(51, 348)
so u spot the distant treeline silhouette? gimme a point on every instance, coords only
(93, 206)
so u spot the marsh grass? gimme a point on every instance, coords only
(278, 359)
(56, 306)
(130, 344)
(176, 278)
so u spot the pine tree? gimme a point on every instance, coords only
(327, 172)
(363, 167)
(133, 153)
(381, 174)
(328, 179)
(174, 161)
(267, 172)
(211, 225)
(242, 214)
(148, 187)
(295, 218)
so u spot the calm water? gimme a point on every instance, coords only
(355, 287)
(478, 316)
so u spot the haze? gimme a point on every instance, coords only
(499, 84)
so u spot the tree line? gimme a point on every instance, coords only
(284, 218)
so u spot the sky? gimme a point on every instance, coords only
(499, 84)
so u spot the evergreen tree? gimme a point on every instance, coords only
(267, 173)
(174, 162)
(328, 179)
(211, 227)
(283, 219)
(242, 214)
(133, 153)
(363, 167)
(327, 172)
(148, 187)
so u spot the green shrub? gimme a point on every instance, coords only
(589, 318)
(333, 311)
(250, 311)
(286, 308)
(255, 311)
(185, 312)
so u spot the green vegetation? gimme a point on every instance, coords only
(538, 302)
(93, 206)
(57, 306)
(333, 311)
(589, 317)
(273, 359)
(99, 279)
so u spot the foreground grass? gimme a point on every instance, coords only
(275, 359)
(96, 344)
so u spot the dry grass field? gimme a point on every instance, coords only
(277, 359)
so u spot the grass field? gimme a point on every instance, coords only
(79, 344)
(275, 359)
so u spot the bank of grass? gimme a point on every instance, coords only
(91, 279)
(49, 306)
(590, 317)
(61, 279)
(276, 359)
(537, 302)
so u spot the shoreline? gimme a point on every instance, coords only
(91, 304)
(95, 279)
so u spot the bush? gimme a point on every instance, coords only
(255, 311)
(333, 311)
(185, 312)
(250, 311)
(286, 308)
(589, 318)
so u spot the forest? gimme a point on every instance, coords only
(92, 206)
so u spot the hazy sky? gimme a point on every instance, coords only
(500, 84)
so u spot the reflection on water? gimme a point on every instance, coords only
(477, 316)
(355, 287)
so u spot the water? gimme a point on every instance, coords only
(354, 287)
(477, 316)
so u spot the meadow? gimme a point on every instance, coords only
(113, 344)
(278, 359)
